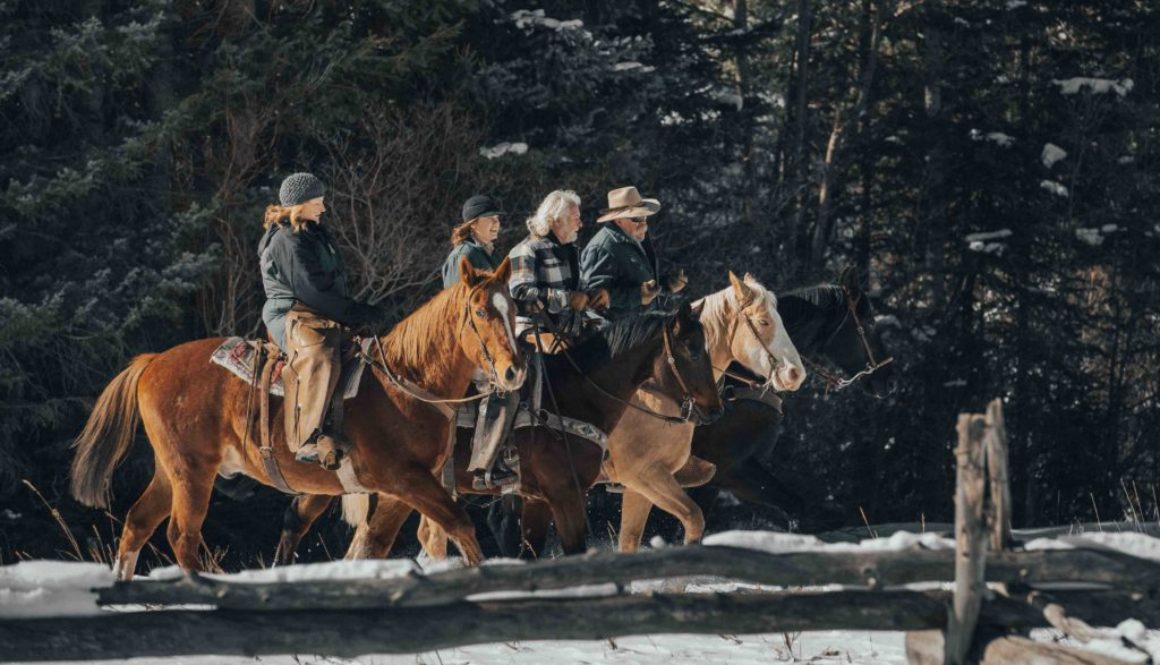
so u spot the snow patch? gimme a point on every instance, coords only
(1052, 154)
(1054, 187)
(501, 149)
(1016, 4)
(51, 588)
(988, 235)
(629, 66)
(998, 138)
(526, 20)
(1097, 86)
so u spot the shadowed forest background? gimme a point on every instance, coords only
(992, 168)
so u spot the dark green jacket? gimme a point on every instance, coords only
(305, 267)
(614, 261)
(475, 253)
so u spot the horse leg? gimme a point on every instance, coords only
(535, 518)
(433, 539)
(375, 537)
(568, 512)
(662, 489)
(422, 492)
(191, 494)
(634, 512)
(503, 519)
(299, 516)
(147, 513)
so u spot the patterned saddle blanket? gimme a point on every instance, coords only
(239, 356)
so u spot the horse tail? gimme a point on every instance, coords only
(356, 508)
(107, 435)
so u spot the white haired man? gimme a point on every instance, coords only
(545, 281)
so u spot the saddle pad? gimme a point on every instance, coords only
(238, 355)
(524, 420)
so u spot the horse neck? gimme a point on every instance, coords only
(424, 347)
(718, 317)
(813, 325)
(621, 376)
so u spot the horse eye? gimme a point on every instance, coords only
(763, 322)
(481, 313)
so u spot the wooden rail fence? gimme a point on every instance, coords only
(998, 595)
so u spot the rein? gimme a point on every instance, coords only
(688, 405)
(403, 385)
(836, 383)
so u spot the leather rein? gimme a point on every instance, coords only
(689, 408)
(837, 383)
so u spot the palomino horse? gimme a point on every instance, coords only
(195, 416)
(741, 325)
(830, 323)
(592, 383)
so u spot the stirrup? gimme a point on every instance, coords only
(495, 477)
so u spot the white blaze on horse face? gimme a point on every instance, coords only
(756, 351)
(501, 306)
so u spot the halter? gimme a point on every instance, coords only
(837, 383)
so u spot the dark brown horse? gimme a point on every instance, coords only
(195, 416)
(556, 471)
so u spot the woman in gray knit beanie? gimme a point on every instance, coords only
(309, 314)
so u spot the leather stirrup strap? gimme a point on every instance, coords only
(266, 445)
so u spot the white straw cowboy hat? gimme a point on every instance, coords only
(626, 203)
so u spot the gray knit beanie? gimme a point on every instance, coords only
(300, 188)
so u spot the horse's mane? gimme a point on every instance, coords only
(408, 346)
(823, 296)
(620, 336)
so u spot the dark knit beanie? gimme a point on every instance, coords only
(300, 188)
(479, 206)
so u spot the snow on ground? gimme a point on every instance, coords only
(848, 648)
(46, 588)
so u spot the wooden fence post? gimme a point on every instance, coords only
(1000, 512)
(970, 553)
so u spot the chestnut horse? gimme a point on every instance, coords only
(593, 383)
(195, 416)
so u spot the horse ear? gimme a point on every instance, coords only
(741, 290)
(504, 271)
(849, 280)
(696, 308)
(467, 272)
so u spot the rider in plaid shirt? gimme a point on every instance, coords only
(546, 267)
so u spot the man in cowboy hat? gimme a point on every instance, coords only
(621, 259)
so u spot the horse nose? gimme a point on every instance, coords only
(794, 377)
(510, 375)
(714, 413)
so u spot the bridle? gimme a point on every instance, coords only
(775, 363)
(689, 408)
(493, 373)
(837, 383)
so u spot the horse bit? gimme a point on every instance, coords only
(836, 383)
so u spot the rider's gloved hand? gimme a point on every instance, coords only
(577, 301)
(676, 282)
(599, 299)
(649, 291)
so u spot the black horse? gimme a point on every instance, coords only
(833, 328)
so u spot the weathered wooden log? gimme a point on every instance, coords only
(926, 648)
(1000, 509)
(416, 629)
(970, 553)
(869, 568)
(348, 633)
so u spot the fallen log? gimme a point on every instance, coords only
(870, 569)
(926, 648)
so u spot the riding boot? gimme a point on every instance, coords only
(496, 413)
